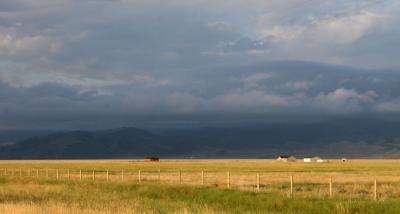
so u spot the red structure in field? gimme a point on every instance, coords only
(151, 159)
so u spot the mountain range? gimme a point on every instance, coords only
(333, 139)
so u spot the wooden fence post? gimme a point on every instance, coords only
(69, 175)
(258, 181)
(57, 174)
(80, 174)
(291, 185)
(37, 173)
(180, 177)
(375, 191)
(122, 175)
(107, 174)
(202, 177)
(330, 187)
(228, 182)
(93, 176)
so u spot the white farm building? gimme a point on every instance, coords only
(314, 159)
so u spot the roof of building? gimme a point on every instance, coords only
(153, 158)
(285, 156)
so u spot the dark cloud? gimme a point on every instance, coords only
(288, 89)
(109, 63)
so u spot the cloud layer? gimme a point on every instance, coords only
(109, 63)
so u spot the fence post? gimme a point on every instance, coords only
(37, 173)
(330, 187)
(228, 182)
(180, 177)
(93, 176)
(57, 174)
(291, 185)
(107, 174)
(122, 175)
(202, 177)
(80, 174)
(258, 181)
(68, 174)
(375, 190)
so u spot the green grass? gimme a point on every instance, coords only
(353, 187)
(162, 198)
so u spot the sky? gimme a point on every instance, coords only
(83, 64)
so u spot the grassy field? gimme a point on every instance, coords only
(32, 187)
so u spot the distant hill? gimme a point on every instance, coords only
(121, 142)
(13, 136)
(341, 138)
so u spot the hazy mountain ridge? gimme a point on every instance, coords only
(13, 136)
(367, 138)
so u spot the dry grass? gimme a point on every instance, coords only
(353, 178)
(352, 181)
(31, 208)
(24, 195)
(21, 208)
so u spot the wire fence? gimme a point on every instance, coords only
(291, 184)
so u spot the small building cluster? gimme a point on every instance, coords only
(286, 158)
(314, 159)
(311, 159)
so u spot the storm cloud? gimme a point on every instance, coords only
(102, 63)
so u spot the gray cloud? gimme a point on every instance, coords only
(73, 63)
(231, 95)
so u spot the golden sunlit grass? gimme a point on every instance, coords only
(387, 167)
(243, 172)
(33, 187)
(22, 208)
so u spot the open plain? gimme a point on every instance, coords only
(199, 186)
